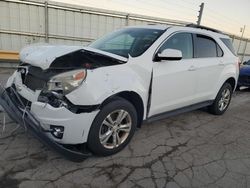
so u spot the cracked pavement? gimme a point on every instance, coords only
(194, 149)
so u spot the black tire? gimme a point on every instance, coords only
(94, 143)
(214, 108)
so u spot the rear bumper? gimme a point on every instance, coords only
(12, 104)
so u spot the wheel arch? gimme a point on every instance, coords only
(225, 78)
(134, 98)
(232, 82)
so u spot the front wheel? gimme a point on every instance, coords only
(222, 100)
(113, 127)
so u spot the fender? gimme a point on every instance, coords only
(228, 72)
(104, 82)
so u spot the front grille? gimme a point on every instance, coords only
(31, 80)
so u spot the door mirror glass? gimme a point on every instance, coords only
(169, 54)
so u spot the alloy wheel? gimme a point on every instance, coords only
(115, 129)
(225, 99)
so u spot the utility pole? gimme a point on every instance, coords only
(242, 30)
(46, 20)
(127, 20)
(244, 52)
(200, 14)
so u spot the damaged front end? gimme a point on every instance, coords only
(12, 103)
(36, 98)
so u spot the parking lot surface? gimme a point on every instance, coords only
(195, 149)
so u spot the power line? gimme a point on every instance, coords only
(178, 4)
(188, 10)
(166, 14)
(220, 18)
(218, 23)
(222, 15)
(189, 3)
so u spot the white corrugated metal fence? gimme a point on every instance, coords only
(26, 22)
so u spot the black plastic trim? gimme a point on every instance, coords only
(178, 111)
(204, 27)
(77, 109)
(149, 94)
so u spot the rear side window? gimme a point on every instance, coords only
(219, 51)
(206, 47)
(229, 45)
(182, 42)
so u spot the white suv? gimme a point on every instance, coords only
(80, 99)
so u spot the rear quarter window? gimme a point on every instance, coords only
(229, 45)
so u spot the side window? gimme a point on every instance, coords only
(182, 42)
(219, 51)
(229, 45)
(206, 47)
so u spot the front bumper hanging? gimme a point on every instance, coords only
(14, 107)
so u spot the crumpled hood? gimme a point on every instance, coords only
(42, 55)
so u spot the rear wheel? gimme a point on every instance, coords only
(112, 128)
(222, 100)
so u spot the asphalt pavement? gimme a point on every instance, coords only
(195, 149)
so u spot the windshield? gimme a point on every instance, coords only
(129, 41)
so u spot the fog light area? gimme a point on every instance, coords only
(57, 131)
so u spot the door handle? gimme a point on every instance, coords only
(221, 63)
(192, 68)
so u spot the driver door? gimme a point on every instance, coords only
(174, 81)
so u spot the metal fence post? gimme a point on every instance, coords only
(46, 11)
(127, 20)
(243, 30)
(244, 52)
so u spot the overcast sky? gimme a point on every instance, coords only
(226, 15)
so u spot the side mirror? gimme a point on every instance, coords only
(169, 54)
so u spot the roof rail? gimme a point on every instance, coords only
(204, 27)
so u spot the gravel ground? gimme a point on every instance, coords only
(195, 149)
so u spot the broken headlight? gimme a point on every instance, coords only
(67, 82)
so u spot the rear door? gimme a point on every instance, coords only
(209, 64)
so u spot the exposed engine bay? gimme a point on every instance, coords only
(36, 78)
(52, 92)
